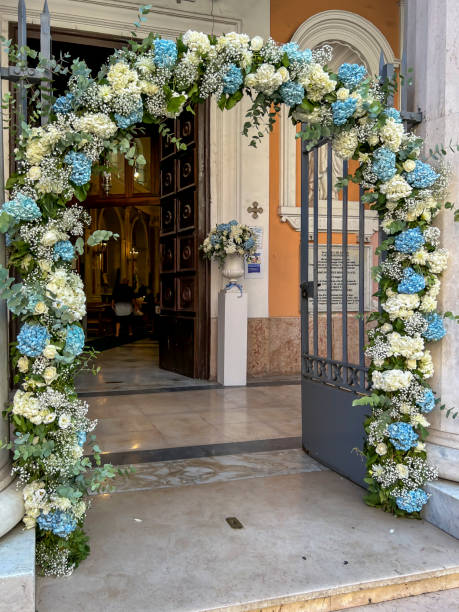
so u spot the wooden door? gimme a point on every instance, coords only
(184, 291)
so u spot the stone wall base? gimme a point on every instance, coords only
(17, 570)
(443, 507)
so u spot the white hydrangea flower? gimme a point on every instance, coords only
(122, 79)
(345, 143)
(401, 305)
(396, 188)
(316, 81)
(391, 134)
(197, 41)
(426, 365)
(391, 380)
(266, 79)
(406, 346)
(438, 260)
(98, 124)
(23, 364)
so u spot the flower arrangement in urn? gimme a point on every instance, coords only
(229, 243)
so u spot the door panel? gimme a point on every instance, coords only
(184, 320)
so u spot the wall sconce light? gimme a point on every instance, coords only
(133, 253)
(106, 181)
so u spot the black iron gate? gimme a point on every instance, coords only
(334, 297)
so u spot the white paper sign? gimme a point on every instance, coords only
(254, 265)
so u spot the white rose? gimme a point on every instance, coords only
(50, 351)
(256, 43)
(50, 374)
(40, 308)
(402, 470)
(411, 364)
(342, 93)
(409, 165)
(420, 446)
(34, 173)
(284, 74)
(373, 139)
(23, 364)
(386, 328)
(49, 418)
(64, 421)
(29, 522)
(49, 238)
(381, 448)
(45, 265)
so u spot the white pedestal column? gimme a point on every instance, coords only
(232, 338)
(433, 52)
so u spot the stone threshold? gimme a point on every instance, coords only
(356, 595)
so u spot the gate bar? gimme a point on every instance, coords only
(344, 272)
(45, 51)
(316, 258)
(304, 249)
(361, 282)
(22, 42)
(329, 254)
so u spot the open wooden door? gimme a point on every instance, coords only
(184, 291)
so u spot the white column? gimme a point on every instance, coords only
(433, 52)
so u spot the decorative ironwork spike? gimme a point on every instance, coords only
(22, 42)
(45, 7)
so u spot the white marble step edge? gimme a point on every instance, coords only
(443, 507)
(17, 570)
(11, 508)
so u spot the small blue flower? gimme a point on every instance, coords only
(422, 176)
(291, 93)
(402, 435)
(60, 523)
(81, 167)
(295, 54)
(393, 113)
(74, 341)
(64, 104)
(232, 80)
(435, 328)
(427, 404)
(411, 282)
(351, 74)
(81, 437)
(125, 121)
(409, 241)
(64, 250)
(383, 164)
(32, 339)
(165, 53)
(412, 501)
(22, 208)
(343, 109)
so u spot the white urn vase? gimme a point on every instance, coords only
(233, 268)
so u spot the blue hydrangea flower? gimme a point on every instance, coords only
(64, 250)
(232, 222)
(32, 339)
(165, 53)
(291, 93)
(409, 241)
(427, 404)
(22, 208)
(249, 243)
(351, 74)
(81, 167)
(232, 80)
(295, 54)
(81, 437)
(383, 164)
(125, 121)
(60, 523)
(422, 176)
(412, 501)
(343, 109)
(411, 282)
(224, 227)
(393, 113)
(74, 341)
(64, 104)
(402, 435)
(435, 329)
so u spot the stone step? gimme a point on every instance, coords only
(17, 570)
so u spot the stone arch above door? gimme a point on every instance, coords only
(354, 40)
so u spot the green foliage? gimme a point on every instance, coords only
(99, 236)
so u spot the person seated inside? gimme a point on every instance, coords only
(123, 303)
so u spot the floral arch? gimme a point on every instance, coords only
(149, 82)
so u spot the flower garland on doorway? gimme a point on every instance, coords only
(149, 82)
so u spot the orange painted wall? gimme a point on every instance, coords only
(284, 247)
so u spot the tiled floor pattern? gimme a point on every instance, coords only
(304, 535)
(193, 418)
(207, 470)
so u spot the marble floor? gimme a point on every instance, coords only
(132, 367)
(149, 421)
(162, 543)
